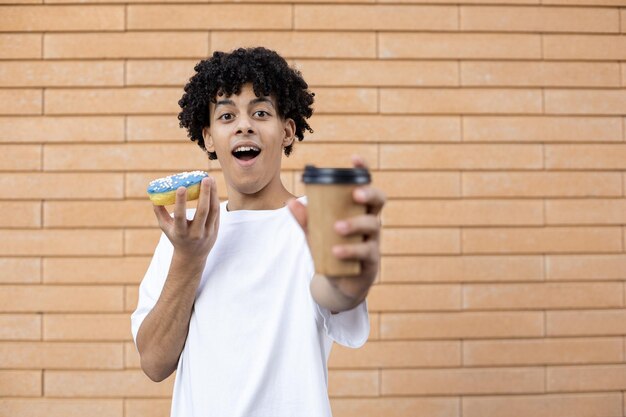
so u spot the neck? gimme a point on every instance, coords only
(271, 197)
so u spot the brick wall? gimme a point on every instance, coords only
(495, 127)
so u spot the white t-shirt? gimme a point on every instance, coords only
(258, 343)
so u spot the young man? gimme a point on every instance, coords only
(229, 300)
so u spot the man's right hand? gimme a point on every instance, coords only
(192, 239)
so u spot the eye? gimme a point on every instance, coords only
(261, 113)
(226, 116)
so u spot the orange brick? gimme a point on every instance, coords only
(86, 327)
(153, 407)
(46, 186)
(88, 214)
(461, 156)
(131, 296)
(37, 355)
(20, 384)
(586, 323)
(60, 242)
(582, 405)
(61, 74)
(98, 384)
(586, 378)
(20, 327)
(20, 157)
(21, 101)
(20, 46)
(110, 270)
(374, 326)
(337, 155)
(23, 214)
(584, 47)
(159, 72)
(62, 129)
(418, 184)
(420, 241)
(462, 381)
(541, 129)
(466, 325)
(585, 211)
(414, 297)
(535, 74)
(352, 383)
(61, 18)
(314, 17)
(463, 213)
(395, 407)
(541, 184)
(300, 44)
(542, 351)
(127, 45)
(215, 17)
(378, 128)
(542, 240)
(542, 295)
(61, 298)
(459, 101)
(141, 241)
(397, 354)
(61, 407)
(459, 46)
(155, 128)
(539, 19)
(131, 356)
(605, 102)
(122, 157)
(358, 73)
(586, 2)
(20, 270)
(598, 156)
(112, 101)
(585, 267)
(345, 100)
(461, 268)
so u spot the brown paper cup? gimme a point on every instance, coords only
(327, 202)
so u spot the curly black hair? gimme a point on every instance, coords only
(225, 73)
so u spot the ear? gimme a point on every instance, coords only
(290, 132)
(208, 139)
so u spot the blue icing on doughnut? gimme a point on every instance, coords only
(172, 182)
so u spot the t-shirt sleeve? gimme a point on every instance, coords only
(348, 328)
(152, 283)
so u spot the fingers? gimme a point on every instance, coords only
(366, 252)
(202, 210)
(180, 211)
(214, 209)
(298, 210)
(163, 217)
(367, 225)
(359, 162)
(372, 197)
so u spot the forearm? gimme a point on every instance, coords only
(339, 294)
(162, 335)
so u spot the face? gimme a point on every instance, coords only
(248, 136)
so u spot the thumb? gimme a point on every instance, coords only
(298, 210)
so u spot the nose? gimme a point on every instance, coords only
(244, 126)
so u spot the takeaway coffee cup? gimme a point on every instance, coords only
(329, 198)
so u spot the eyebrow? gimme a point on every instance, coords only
(229, 102)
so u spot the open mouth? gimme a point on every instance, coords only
(246, 153)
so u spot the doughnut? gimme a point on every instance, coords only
(162, 191)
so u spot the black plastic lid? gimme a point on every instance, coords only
(313, 175)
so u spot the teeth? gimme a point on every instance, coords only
(246, 148)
